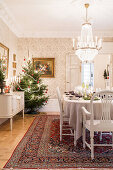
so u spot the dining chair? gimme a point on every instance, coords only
(104, 122)
(64, 120)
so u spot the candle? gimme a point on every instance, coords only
(73, 43)
(15, 78)
(11, 79)
(96, 40)
(19, 79)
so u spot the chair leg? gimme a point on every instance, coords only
(84, 137)
(11, 123)
(92, 144)
(100, 136)
(74, 138)
(112, 140)
(23, 113)
(60, 131)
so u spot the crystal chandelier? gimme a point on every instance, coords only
(87, 46)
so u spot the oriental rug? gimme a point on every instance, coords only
(41, 148)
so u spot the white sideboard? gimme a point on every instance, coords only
(11, 104)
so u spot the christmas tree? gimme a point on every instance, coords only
(105, 74)
(34, 89)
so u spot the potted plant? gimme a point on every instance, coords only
(106, 77)
(105, 74)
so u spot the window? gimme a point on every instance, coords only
(88, 74)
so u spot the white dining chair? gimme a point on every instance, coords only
(103, 124)
(63, 117)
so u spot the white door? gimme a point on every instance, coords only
(73, 72)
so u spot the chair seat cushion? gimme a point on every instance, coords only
(94, 121)
(100, 125)
(98, 122)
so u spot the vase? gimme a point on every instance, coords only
(2, 85)
(107, 84)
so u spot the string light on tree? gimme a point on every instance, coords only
(33, 87)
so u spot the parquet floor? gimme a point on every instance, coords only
(9, 140)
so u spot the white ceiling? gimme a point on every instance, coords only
(52, 18)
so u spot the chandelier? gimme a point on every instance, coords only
(87, 46)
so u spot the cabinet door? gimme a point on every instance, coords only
(5, 105)
(14, 105)
(73, 72)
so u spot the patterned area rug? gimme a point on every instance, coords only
(41, 148)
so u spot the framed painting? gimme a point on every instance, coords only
(14, 65)
(45, 66)
(14, 57)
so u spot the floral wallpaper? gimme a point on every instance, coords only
(9, 39)
(47, 48)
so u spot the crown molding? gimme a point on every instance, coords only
(108, 39)
(101, 34)
(10, 21)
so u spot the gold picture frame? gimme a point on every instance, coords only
(4, 54)
(14, 57)
(14, 72)
(45, 66)
(14, 65)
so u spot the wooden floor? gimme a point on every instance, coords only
(9, 140)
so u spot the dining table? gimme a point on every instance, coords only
(73, 109)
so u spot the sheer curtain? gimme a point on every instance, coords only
(88, 74)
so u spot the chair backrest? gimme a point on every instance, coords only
(59, 100)
(106, 97)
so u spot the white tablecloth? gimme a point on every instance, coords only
(72, 108)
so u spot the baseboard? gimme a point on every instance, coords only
(51, 106)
